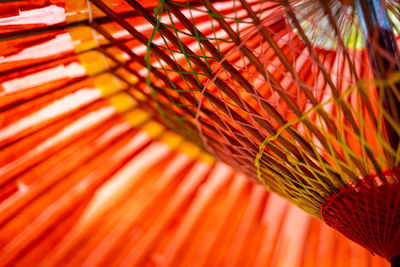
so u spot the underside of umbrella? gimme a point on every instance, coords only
(300, 95)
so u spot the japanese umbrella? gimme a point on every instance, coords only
(123, 190)
(90, 177)
(301, 95)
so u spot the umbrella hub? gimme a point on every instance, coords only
(369, 213)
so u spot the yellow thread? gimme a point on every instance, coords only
(331, 168)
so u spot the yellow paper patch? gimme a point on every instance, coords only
(190, 149)
(205, 157)
(137, 117)
(122, 102)
(108, 84)
(79, 10)
(171, 139)
(153, 129)
(129, 77)
(94, 62)
(83, 38)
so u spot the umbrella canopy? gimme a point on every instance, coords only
(89, 177)
(282, 91)
(106, 184)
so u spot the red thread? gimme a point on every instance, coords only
(369, 213)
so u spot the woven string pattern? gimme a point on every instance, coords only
(264, 87)
(375, 228)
